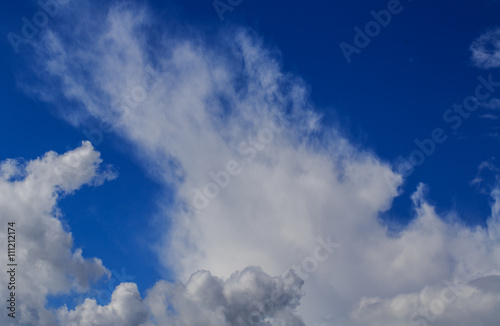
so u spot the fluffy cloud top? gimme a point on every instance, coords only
(250, 297)
(47, 262)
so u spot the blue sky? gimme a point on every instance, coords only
(397, 90)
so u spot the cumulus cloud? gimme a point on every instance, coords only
(466, 295)
(259, 181)
(126, 308)
(486, 50)
(473, 303)
(249, 297)
(48, 263)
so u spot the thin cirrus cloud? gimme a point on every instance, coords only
(213, 107)
(486, 50)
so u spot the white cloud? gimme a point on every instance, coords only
(486, 50)
(126, 308)
(441, 305)
(47, 263)
(207, 104)
(249, 297)
(468, 294)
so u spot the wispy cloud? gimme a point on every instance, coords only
(480, 178)
(486, 50)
